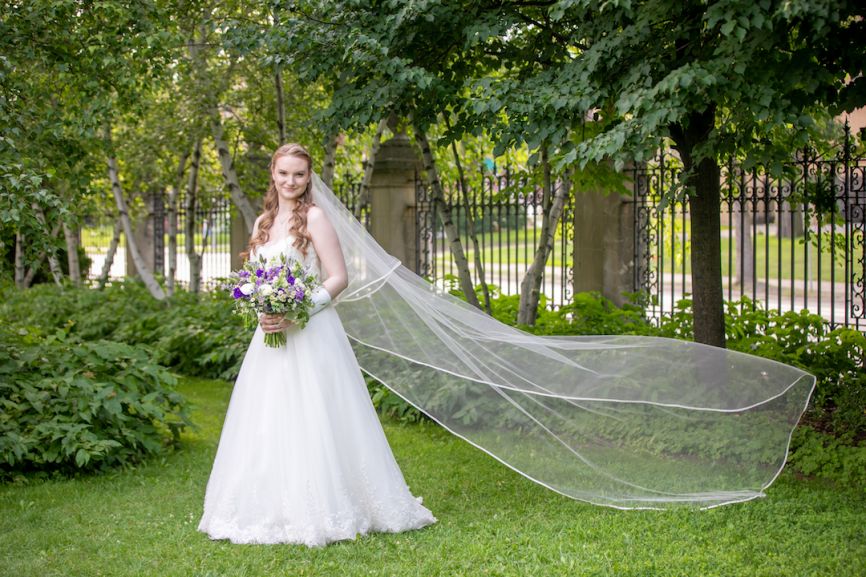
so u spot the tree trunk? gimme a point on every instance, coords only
(112, 250)
(451, 232)
(172, 223)
(329, 162)
(190, 222)
(470, 222)
(248, 212)
(31, 273)
(71, 237)
(53, 263)
(364, 193)
(278, 86)
(144, 272)
(702, 178)
(281, 107)
(172, 241)
(530, 286)
(19, 260)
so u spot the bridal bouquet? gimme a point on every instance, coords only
(280, 286)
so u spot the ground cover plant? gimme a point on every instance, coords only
(142, 521)
(197, 335)
(68, 405)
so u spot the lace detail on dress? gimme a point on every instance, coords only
(329, 528)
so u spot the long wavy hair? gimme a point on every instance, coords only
(298, 222)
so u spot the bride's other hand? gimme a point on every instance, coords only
(274, 323)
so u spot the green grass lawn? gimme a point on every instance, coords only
(798, 261)
(491, 522)
(517, 247)
(503, 248)
(97, 239)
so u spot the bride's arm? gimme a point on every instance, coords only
(327, 246)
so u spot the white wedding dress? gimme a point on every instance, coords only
(302, 457)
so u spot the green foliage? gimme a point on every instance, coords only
(589, 313)
(66, 70)
(390, 404)
(836, 357)
(821, 455)
(196, 335)
(70, 405)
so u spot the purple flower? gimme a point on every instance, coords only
(259, 272)
(237, 293)
(299, 295)
(244, 274)
(290, 278)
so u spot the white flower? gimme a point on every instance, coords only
(248, 288)
(300, 285)
(266, 290)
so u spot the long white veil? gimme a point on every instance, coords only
(624, 421)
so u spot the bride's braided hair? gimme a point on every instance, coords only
(298, 222)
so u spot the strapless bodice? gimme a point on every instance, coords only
(285, 246)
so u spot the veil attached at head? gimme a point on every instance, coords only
(623, 421)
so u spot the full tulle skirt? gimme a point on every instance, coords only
(302, 457)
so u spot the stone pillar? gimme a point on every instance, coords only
(239, 239)
(603, 245)
(392, 198)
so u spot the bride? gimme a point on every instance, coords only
(302, 457)
(630, 422)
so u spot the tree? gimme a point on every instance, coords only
(66, 69)
(717, 78)
(398, 59)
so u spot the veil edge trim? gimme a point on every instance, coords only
(593, 399)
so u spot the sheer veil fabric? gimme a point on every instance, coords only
(623, 421)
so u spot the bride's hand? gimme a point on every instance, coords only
(274, 323)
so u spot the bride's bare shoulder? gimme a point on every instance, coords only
(319, 225)
(316, 216)
(315, 212)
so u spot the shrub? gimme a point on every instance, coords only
(69, 405)
(390, 404)
(196, 335)
(821, 455)
(836, 357)
(199, 336)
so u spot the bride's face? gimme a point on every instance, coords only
(291, 176)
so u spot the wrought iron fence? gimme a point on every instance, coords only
(212, 237)
(790, 243)
(350, 194)
(506, 212)
(212, 240)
